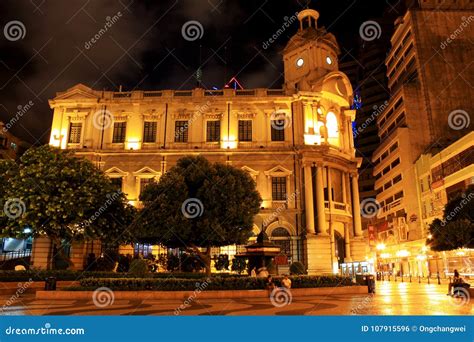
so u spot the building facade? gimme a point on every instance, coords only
(295, 142)
(429, 82)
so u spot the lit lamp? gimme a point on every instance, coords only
(380, 246)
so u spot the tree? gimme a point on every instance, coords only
(66, 199)
(199, 205)
(8, 168)
(456, 229)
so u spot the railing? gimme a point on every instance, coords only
(337, 206)
(392, 205)
(15, 255)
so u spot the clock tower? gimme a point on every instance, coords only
(310, 54)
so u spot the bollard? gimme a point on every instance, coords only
(428, 279)
(419, 279)
(402, 277)
(439, 279)
(410, 277)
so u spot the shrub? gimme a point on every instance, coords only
(239, 265)
(213, 283)
(297, 268)
(138, 268)
(222, 262)
(172, 264)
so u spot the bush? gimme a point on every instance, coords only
(212, 283)
(172, 264)
(239, 265)
(11, 263)
(191, 263)
(297, 268)
(138, 268)
(222, 262)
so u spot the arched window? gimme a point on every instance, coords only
(332, 128)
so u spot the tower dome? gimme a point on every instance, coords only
(310, 54)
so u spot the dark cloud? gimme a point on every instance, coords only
(144, 48)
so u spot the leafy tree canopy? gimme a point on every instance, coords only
(456, 229)
(63, 197)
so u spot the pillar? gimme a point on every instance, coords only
(322, 230)
(41, 253)
(309, 202)
(347, 241)
(356, 206)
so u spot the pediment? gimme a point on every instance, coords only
(115, 172)
(79, 91)
(278, 170)
(146, 171)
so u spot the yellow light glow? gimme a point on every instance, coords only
(133, 144)
(424, 248)
(430, 236)
(403, 253)
(421, 257)
(385, 255)
(312, 139)
(380, 246)
(229, 143)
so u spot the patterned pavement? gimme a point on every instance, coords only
(392, 298)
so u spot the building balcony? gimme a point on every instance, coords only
(337, 208)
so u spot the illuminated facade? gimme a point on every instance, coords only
(426, 86)
(295, 142)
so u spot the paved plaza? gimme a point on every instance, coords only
(392, 298)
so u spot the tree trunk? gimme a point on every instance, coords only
(208, 261)
(67, 258)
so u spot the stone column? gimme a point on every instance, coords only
(356, 206)
(41, 253)
(347, 241)
(322, 230)
(308, 199)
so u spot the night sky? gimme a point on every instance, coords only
(145, 49)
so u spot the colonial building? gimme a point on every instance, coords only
(296, 142)
(430, 80)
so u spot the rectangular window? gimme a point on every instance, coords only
(117, 183)
(279, 188)
(75, 130)
(119, 132)
(181, 131)
(245, 130)
(149, 131)
(213, 133)
(278, 130)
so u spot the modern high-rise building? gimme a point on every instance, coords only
(296, 143)
(430, 78)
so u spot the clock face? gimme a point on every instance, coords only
(299, 62)
(328, 60)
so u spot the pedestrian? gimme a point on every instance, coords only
(286, 282)
(456, 280)
(269, 284)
